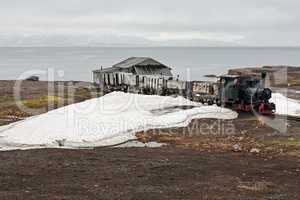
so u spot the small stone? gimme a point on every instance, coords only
(291, 139)
(237, 148)
(254, 150)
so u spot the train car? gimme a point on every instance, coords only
(203, 91)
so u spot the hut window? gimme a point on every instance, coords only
(143, 80)
(151, 82)
(105, 79)
(117, 79)
(108, 77)
(137, 80)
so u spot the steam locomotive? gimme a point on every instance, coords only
(242, 93)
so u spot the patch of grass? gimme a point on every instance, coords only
(12, 111)
(6, 101)
(82, 94)
(41, 102)
(294, 142)
(293, 79)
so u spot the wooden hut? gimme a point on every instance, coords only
(136, 74)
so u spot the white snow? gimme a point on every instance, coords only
(108, 120)
(285, 106)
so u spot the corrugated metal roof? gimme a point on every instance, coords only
(140, 61)
(139, 66)
(153, 71)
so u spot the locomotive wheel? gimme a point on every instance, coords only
(261, 108)
(247, 108)
(237, 107)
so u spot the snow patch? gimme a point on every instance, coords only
(108, 120)
(285, 106)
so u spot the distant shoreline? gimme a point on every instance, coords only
(204, 47)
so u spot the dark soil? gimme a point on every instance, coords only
(192, 166)
(143, 173)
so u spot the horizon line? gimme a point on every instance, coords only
(138, 46)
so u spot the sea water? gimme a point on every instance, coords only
(77, 63)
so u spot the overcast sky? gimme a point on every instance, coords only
(232, 22)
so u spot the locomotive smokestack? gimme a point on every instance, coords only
(263, 79)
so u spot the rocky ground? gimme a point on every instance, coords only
(243, 158)
(247, 134)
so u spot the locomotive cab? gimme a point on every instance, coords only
(228, 92)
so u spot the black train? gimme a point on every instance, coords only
(242, 93)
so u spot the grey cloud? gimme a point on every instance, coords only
(251, 21)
